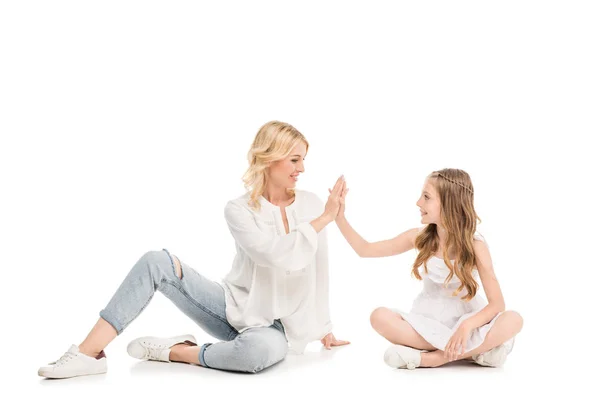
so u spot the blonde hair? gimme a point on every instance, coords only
(459, 219)
(274, 141)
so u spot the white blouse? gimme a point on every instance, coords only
(277, 275)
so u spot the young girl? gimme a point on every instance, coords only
(449, 321)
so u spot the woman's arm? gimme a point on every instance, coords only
(292, 251)
(322, 284)
(323, 318)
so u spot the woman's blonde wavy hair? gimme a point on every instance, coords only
(459, 219)
(274, 141)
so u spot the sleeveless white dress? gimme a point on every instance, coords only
(436, 314)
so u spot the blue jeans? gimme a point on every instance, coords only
(204, 302)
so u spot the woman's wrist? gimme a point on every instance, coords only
(327, 218)
(321, 222)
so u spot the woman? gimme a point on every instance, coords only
(274, 297)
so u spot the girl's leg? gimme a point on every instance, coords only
(506, 327)
(199, 298)
(394, 328)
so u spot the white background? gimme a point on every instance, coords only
(125, 127)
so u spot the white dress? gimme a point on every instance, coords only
(436, 314)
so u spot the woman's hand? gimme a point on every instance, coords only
(333, 204)
(330, 340)
(340, 215)
(457, 344)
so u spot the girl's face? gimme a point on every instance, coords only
(429, 204)
(284, 173)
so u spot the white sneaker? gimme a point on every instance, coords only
(155, 348)
(496, 356)
(73, 363)
(398, 356)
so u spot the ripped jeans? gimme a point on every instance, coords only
(204, 302)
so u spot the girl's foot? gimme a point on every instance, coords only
(398, 356)
(74, 363)
(155, 348)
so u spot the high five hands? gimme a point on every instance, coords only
(337, 199)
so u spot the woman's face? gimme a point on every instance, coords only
(284, 173)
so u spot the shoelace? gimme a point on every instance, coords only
(152, 353)
(68, 356)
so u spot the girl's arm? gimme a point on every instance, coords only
(385, 248)
(490, 285)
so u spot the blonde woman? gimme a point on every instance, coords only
(449, 320)
(275, 296)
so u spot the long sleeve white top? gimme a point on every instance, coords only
(277, 275)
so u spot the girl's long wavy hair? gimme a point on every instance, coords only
(274, 141)
(459, 219)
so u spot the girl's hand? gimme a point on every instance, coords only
(333, 202)
(340, 215)
(330, 340)
(457, 344)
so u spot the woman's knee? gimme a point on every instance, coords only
(261, 354)
(159, 263)
(176, 266)
(263, 358)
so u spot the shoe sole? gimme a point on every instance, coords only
(50, 375)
